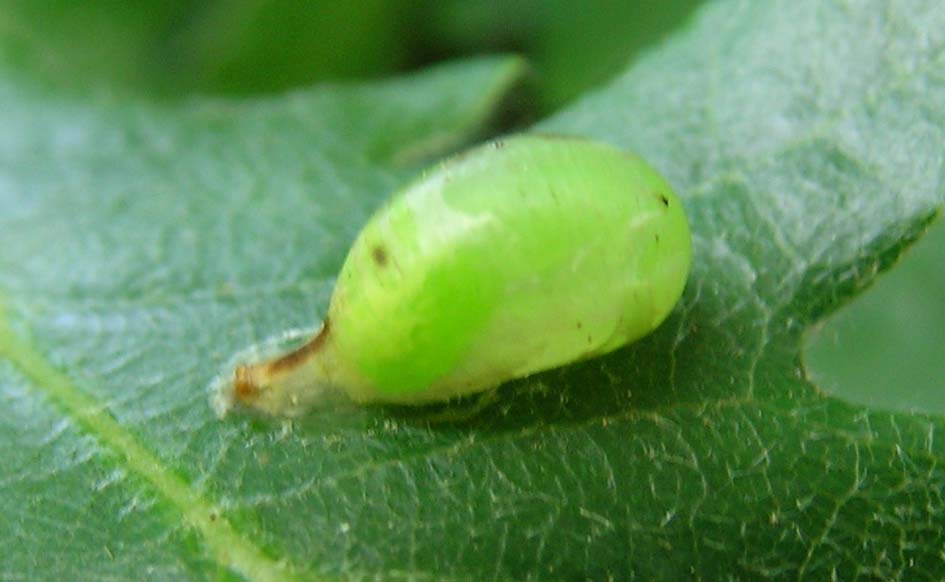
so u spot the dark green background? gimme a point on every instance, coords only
(253, 46)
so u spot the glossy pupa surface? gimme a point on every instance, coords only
(518, 256)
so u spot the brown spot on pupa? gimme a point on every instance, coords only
(292, 359)
(590, 340)
(664, 200)
(213, 516)
(379, 254)
(580, 325)
(657, 237)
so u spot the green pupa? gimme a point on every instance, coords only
(518, 256)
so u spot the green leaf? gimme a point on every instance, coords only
(142, 244)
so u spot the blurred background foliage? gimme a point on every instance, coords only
(894, 336)
(258, 46)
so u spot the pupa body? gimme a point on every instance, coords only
(518, 256)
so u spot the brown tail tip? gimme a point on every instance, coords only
(243, 385)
